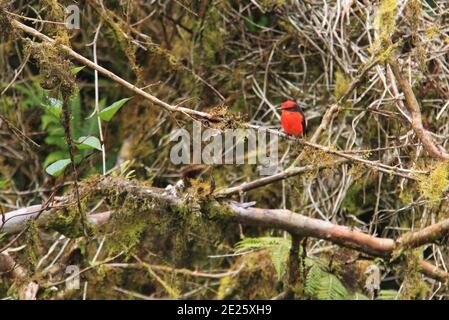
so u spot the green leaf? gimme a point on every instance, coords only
(56, 140)
(3, 183)
(388, 295)
(55, 156)
(90, 142)
(76, 70)
(108, 113)
(322, 285)
(56, 168)
(331, 289)
(259, 243)
(54, 106)
(46, 120)
(359, 296)
(279, 248)
(280, 255)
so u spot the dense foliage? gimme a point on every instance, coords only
(81, 143)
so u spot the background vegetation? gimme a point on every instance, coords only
(73, 139)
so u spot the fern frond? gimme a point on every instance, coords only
(331, 288)
(279, 256)
(260, 243)
(279, 247)
(359, 296)
(324, 286)
(313, 280)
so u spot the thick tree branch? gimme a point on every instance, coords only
(287, 220)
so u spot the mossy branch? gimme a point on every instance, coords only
(287, 220)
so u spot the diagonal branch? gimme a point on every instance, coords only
(288, 173)
(204, 115)
(412, 105)
(109, 74)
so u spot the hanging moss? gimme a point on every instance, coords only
(413, 12)
(413, 285)
(181, 233)
(386, 19)
(52, 10)
(54, 68)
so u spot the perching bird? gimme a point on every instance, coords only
(292, 119)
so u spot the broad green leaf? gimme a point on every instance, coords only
(101, 105)
(259, 243)
(46, 120)
(56, 168)
(76, 70)
(108, 113)
(56, 140)
(90, 142)
(55, 156)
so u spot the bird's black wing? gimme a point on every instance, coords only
(304, 123)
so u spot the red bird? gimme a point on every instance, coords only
(292, 119)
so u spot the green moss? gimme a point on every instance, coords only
(126, 228)
(413, 284)
(341, 85)
(385, 53)
(386, 19)
(33, 243)
(69, 223)
(5, 23)
(257, 279)
(181, 233)
(413, 12)
(213, 35)
(132, 216)
(54, 68)
(432, 31)
(351, 202)
(216, 211)
(433, 185)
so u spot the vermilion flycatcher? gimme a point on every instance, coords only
(292, 119)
